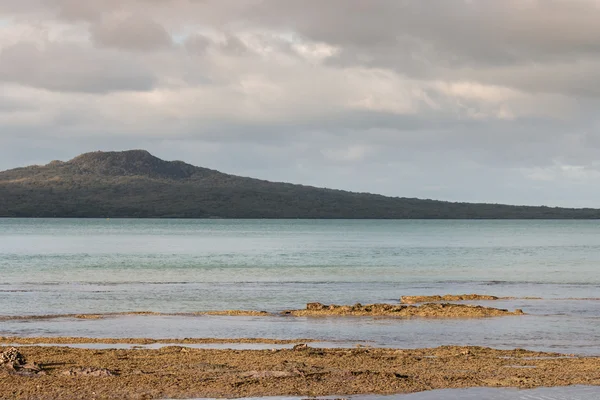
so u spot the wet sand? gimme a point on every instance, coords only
(428, 310)
(177, 372)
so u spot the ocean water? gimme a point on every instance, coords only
(69, 266)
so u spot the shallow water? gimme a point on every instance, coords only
(154, 346)
(562, 334)
(96, 266)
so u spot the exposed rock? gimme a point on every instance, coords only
(429, 310)
(315, 306)
(15, 363)
(447, 297)
(12, 356)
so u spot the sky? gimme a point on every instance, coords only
(461, 100)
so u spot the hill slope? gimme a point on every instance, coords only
(136, 184)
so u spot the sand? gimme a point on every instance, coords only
(177, 372)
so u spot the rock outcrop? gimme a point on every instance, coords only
(14, 361)
(429, 310)
(447, 297)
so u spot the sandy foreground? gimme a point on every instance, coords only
(180, 372)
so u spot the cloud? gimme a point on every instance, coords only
(72, 68)
(465, 100)
(454, 38)
(130, 33)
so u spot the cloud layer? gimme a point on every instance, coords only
(474, 100)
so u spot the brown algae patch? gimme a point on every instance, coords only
(429, 310)
(176, 372)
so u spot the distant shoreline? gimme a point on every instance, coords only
(304, 219)
(136, 184)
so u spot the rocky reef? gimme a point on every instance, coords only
(429, 310)
(447, 297)
(179, 372)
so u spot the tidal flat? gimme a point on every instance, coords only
(181, 372)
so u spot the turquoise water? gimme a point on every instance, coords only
(52, 266)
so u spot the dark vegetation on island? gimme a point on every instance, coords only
(136, 184)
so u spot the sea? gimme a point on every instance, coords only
(55, 268)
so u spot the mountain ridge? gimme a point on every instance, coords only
(134, 183)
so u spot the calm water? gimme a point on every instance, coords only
(93, 266)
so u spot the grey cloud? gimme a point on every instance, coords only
(233, 45)
(197, 44)
(438, 39)
(130, 33)
(76, 10)
(12, 8)
(72, 68)
(235, 93)
(569, 77)
(9, 105)
(481, 30)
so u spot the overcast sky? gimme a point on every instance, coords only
(462, 100)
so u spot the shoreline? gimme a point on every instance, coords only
(180, 372)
